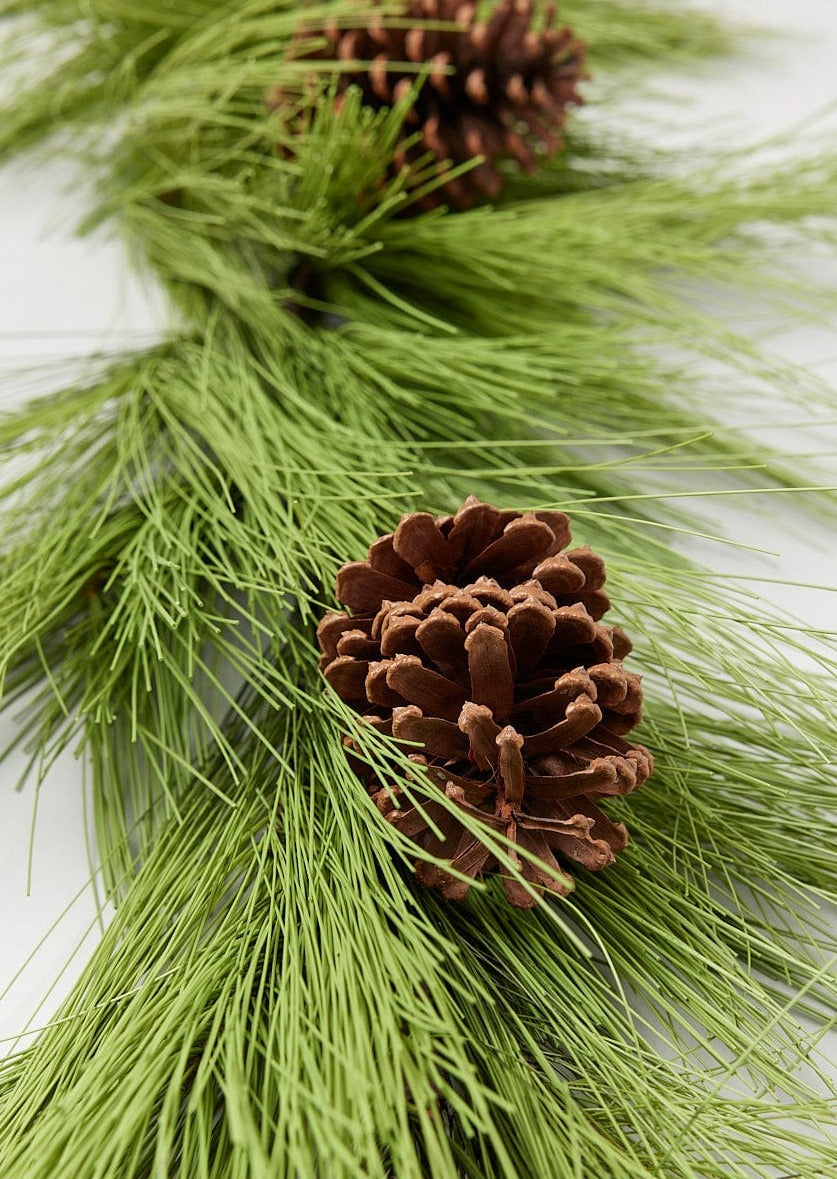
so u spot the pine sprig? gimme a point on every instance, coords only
(441, 303)
(249, 942)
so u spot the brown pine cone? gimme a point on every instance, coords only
(496, 88)
(477, 636)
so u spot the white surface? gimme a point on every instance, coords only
(59, 296)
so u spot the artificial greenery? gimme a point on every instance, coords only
(274, 995)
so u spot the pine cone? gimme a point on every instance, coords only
(477, 636)
(496, 88)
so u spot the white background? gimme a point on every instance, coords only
(61, 296)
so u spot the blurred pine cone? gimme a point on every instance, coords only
(496, 88)
(478, 637)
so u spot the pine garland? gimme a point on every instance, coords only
(275, 996)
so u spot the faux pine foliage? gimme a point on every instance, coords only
(276, 995)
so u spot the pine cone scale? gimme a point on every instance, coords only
(522, 540)
(442, 640)
(384, 558)
(558, 787)
(439, 738)
(489, 670)
(362, 592)
(423, 687)
(512, 770)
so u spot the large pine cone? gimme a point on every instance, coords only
(496, 88)
(477, 636)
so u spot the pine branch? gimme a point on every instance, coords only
(273, 995)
